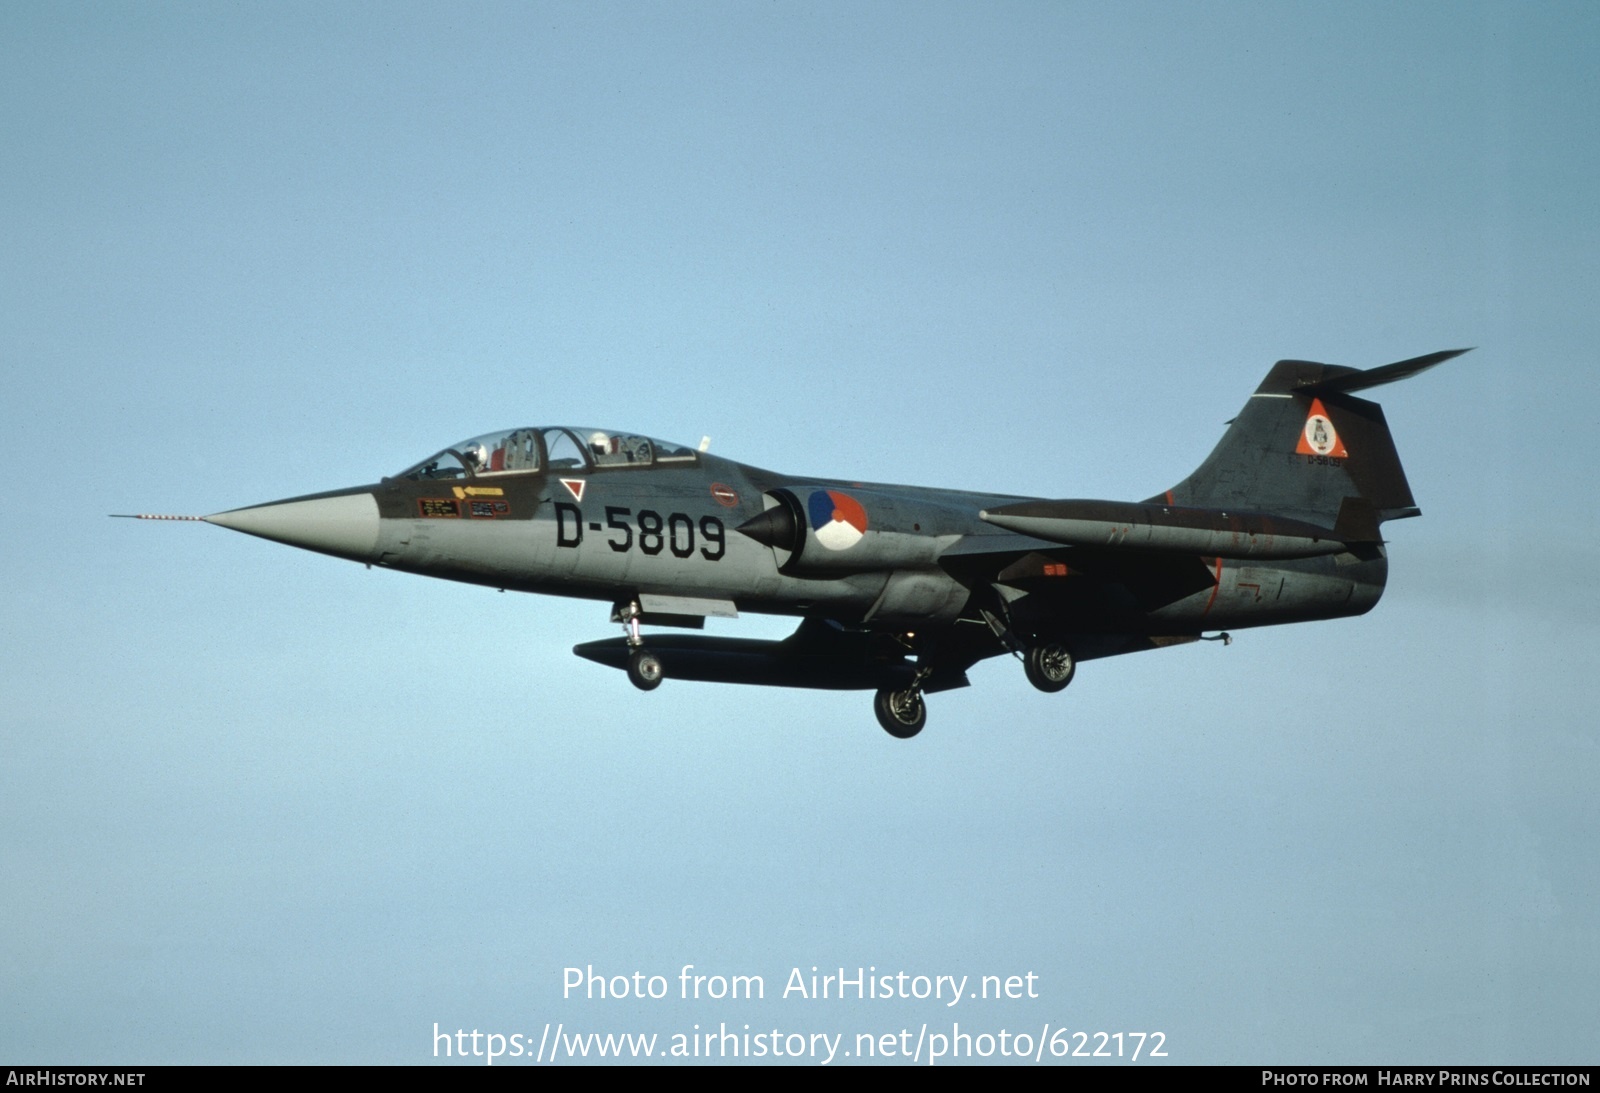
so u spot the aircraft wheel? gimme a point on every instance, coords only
(901, 713)
(1050, 666)
(644, 670)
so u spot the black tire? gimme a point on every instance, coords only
(901, 713)
(644, 670)
(1050, 667)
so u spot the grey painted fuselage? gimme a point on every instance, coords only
(901, 588)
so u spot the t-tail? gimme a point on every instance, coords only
(1306, 448)
(1306, 469)
(1279, 524)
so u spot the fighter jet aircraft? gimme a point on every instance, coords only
(899, 589)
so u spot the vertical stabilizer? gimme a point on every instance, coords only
(1304, 447)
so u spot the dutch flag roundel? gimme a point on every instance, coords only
(838, 519)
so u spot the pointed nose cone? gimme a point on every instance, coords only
(344, 525)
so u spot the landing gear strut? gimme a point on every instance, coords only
(1049, 667)
(644, 667)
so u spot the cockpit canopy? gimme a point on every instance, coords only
(534, 448)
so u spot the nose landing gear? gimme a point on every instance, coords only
(644, 667)
(644, 670)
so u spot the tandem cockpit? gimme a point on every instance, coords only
(553, 448)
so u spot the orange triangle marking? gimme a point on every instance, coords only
(1319, 437)
(574, 487)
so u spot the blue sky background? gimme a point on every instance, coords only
(260, 805)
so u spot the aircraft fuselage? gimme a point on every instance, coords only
(900, 588)
(613, 534)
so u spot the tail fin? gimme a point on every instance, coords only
(1305, 448)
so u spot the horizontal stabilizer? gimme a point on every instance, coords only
(1361, 379)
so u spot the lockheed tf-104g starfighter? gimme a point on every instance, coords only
(899, 589)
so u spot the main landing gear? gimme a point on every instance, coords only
(901, 713)
(1049, 666)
